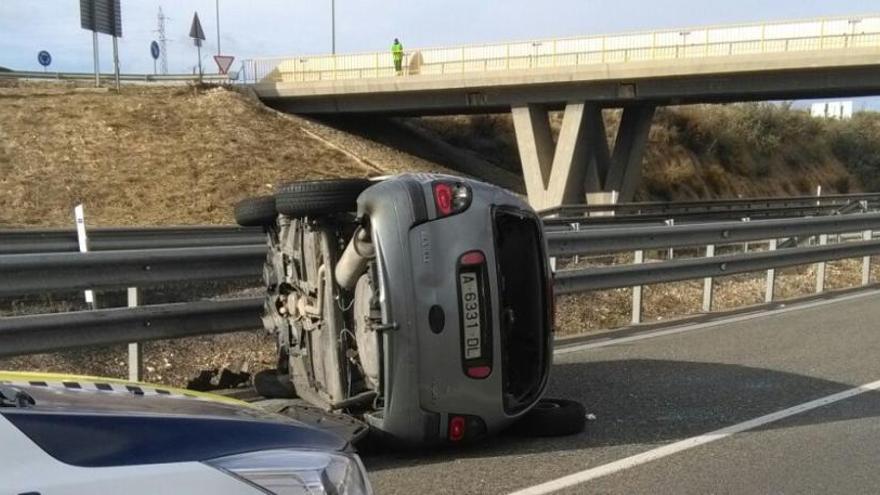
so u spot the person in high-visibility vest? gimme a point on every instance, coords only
(397, 53)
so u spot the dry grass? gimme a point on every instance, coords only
(158, 156)
(173, 362)
(147, 157)
(600, 310)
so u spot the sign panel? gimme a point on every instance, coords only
(103, 16)
(195, 31)
(223, 62)
(44, 58)
(154, 50)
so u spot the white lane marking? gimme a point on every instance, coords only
(673, 448)
(708, 324)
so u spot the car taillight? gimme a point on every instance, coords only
(457, 425)
(451, 198)
(465, 428)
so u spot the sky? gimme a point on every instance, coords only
(254, 28)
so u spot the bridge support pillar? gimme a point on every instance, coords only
(629, 147)
(579, 164)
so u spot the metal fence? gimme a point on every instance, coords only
(833, 33)
(90, 76)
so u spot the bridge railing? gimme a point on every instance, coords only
(778, 37)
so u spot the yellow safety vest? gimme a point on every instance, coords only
(397, 50)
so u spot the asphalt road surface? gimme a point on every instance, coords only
(784, 401)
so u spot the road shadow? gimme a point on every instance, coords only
(644, 401)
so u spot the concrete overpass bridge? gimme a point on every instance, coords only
(817, 58)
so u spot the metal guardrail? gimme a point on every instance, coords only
(693, 216)
(604, 240)
(21, 241)
(735, 205)
(52, 332)
(45, 272)
(695, 42)
(571, 281)
(90, 76)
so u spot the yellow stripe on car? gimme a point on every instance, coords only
(59, 379)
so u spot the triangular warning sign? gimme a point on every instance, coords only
(223, 62)
(195, 31)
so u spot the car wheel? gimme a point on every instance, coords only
(256, 212)
(319, 197)
(272, 385)
(552, 418)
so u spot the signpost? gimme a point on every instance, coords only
(223, 62)
(102, 16)
(198, 35)
(45, 59)
(154, 52)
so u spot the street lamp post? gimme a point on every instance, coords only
(217, 10)
(332, 27)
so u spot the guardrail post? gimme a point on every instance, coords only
(671, 252)
(638, 258)
(820, 266)
(708, 284)
(135, 357)
(866, 261)
(83, 241)
(771, 276)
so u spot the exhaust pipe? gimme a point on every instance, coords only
(354, 259)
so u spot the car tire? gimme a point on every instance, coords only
(272, 385)
(256, 212)
(552, 418)
(319, 197)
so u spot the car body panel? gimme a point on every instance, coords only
(28, 469)
(94, 435)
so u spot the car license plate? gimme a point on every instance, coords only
(471, 318)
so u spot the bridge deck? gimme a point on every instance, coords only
(797, 59)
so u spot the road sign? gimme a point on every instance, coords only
(154, 50)
(223, 62)
(45, 59)
(195, 31)
(198, 35)
(102, 16)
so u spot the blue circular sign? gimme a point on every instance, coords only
(44, 58)
(154, 50)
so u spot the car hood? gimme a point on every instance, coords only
(90, 421)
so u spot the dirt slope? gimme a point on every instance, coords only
(160, 156)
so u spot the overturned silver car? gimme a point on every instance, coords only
(421, 303)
